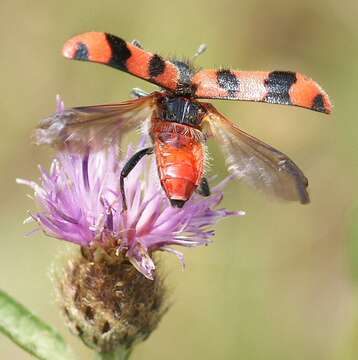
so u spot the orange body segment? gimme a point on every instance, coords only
(180, 160)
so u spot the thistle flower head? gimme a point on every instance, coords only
(79, 201)
(105, 300)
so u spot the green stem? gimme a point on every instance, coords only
(118, 354)
(30, 332)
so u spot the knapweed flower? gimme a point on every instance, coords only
(106, 301)
(79, 201)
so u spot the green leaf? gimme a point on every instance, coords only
(31, 333)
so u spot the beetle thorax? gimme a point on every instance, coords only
(181, 110)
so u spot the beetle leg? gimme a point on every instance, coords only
(203, 188)
(128, 167)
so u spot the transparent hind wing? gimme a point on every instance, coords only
(257, 163)
(94, 127)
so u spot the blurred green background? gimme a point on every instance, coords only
(279, 283)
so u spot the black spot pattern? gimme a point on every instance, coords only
(156, 66)
(185, 85)
(278, 85)
(229, 82)
(120, 52)
(81, 52)
(318, 104)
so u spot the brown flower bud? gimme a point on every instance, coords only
(107, 302)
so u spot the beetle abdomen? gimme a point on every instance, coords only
(180, 160)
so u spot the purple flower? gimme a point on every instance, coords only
(79, 201)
